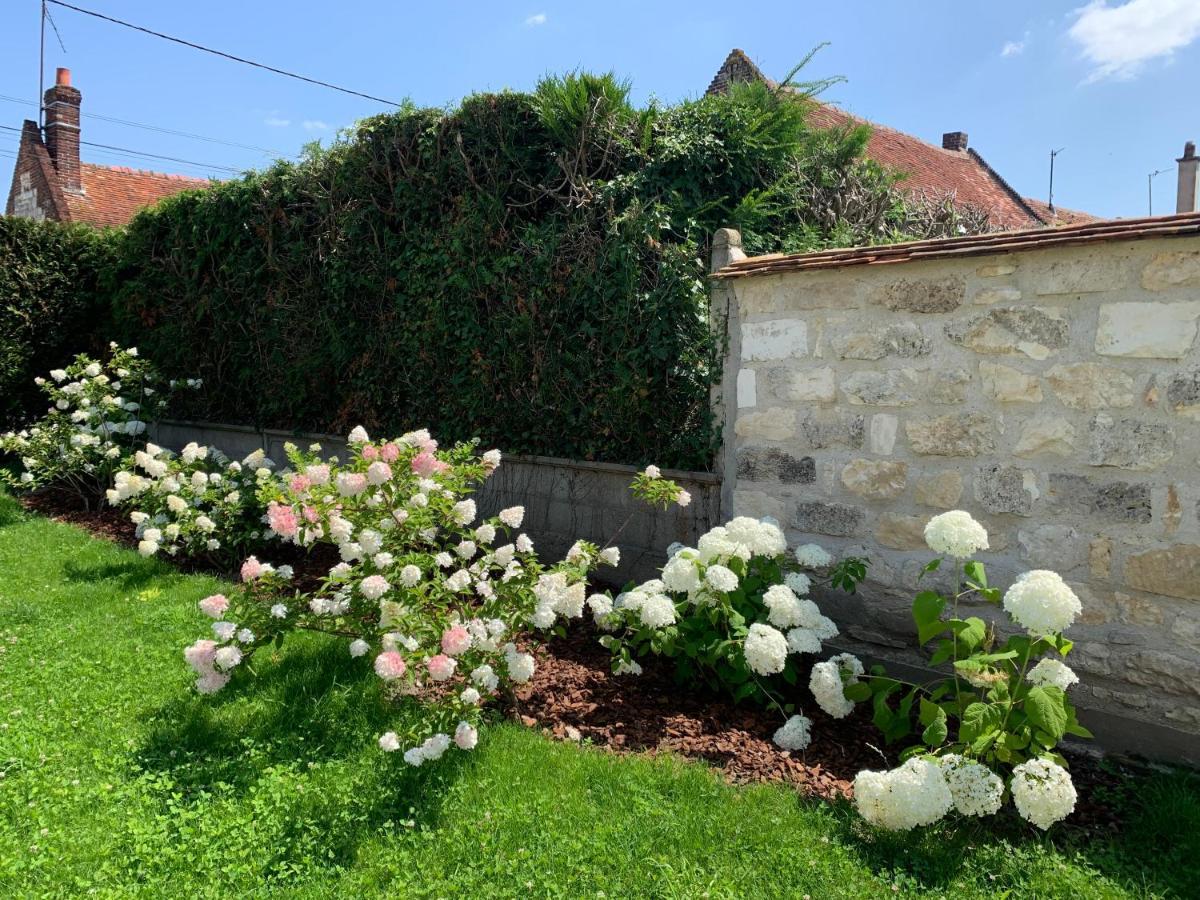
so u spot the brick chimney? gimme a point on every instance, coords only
(954, 140)
(62, 130)
(1189, 179)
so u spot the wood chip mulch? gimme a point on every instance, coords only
(573, 696)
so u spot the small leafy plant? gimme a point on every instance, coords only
(432, 599)
(733, 612)
(991, 728)
(197, 503)
(98, 412)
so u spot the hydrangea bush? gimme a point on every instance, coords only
(431, 598)
(197, 502)
(990, 730)
(733, 612)
(98, 412)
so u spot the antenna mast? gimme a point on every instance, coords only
(1053, 153)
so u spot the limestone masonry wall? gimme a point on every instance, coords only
(1053, 393)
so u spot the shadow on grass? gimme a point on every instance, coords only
(1165, 814)
(310, 704)
(10, 510)
(129, 573)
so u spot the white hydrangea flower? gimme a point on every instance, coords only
(955, 533)
(359, 648)
(681, 576)
(827, 685)
(389, 742)
(914, 794)
(1042, 603)
(765, 649)
(720, 578)
(657, 611)
(976, 789)
(794, 734)
(358, 435)
(1043, 792)
(800, 583)
(611, 556)
(783, 607)
(803, 640)
(520, 665)
(1050, 671)
(513, 516)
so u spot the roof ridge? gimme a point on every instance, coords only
(1004, 184)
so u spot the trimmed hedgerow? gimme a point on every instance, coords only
(527, 268)
(52, 305)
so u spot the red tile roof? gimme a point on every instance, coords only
(1060, 215)
(935, 171)
(1184, 224)
(112, 194)
(927, 168)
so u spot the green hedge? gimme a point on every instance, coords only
(527, 268)
(53, 304)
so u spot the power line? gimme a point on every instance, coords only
(248, 62)
(160, 129)
(141, 153)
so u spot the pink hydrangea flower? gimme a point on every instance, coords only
(390, 665)
(299, 484)
(378, 473)
(311, 515)
(282, 519)
(200, 656)
(211, 682)
(318, 473)
(390, 452)
(440, 667)
(466, 736)
(214, 606)
(456, 640)
(426, 464)
(370, 451)
(350, 484)
(252, 569)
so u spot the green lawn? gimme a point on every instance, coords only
(118, 780)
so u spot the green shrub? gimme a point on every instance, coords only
(527, 268)
(52, 305)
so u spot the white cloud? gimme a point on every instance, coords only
(535, 20)
(1012, 48)
(1119, 40)
(315, 125)
(274, 121)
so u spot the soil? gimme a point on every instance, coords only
(573, 696)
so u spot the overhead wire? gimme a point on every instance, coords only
(160, 129)
(222, 53)
(140, 153)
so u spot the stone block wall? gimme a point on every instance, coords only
(1054, 393)
(564, 500)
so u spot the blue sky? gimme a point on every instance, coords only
(1114, 82)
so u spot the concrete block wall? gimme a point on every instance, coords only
(1054, 393)
(564, 500)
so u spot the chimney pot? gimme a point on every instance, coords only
(1189, 180)
(954, 140)
(61, 104)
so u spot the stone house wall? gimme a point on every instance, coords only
(1053, 393)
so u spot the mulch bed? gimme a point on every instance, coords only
(573, 696)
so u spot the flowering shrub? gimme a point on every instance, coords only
(97, 413)
(197, 502)
(429, 597)
(733, 611)
(989, 729)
